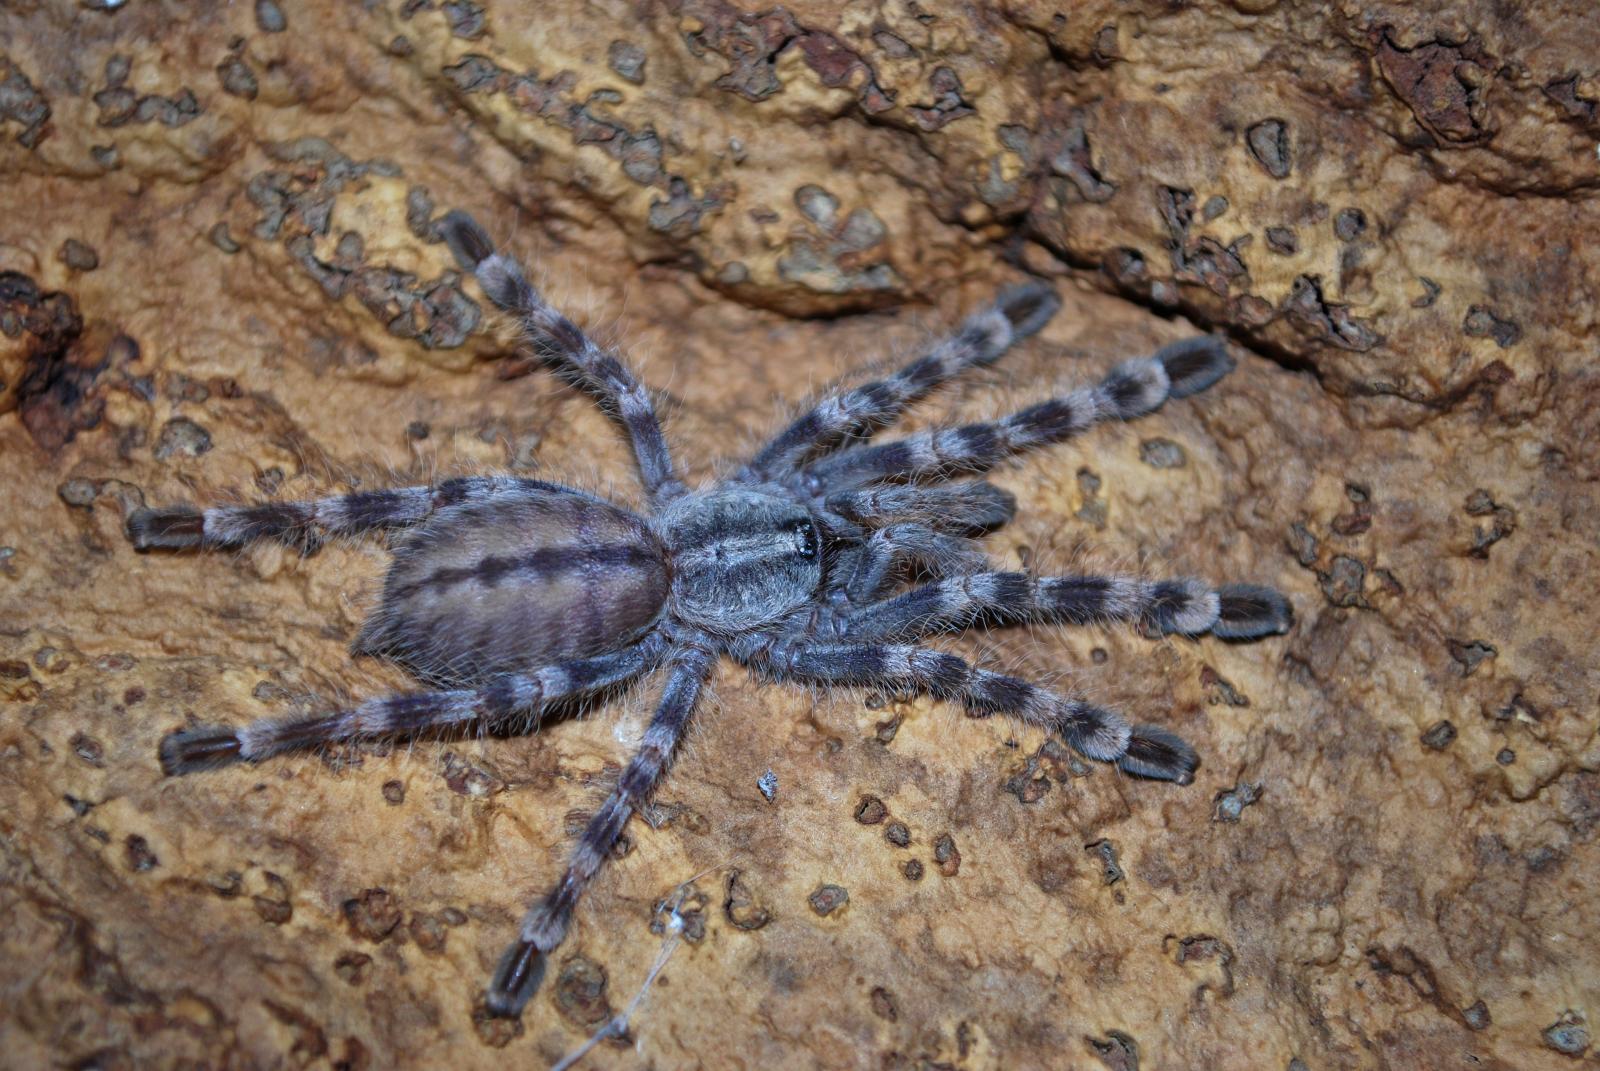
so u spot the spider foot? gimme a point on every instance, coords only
(516, 979)
(1250, 611)
(1028, 307)
(190, 750)
(173, 527)
(1158, 754)
(468, 241)
(1194, 364)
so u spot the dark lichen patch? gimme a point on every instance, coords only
(1094, 509)
(87, 748)
(372, 915)
(467, 778)
(353, 968)
(394, 792)
(270, 17)
(883, 1005)
(1430, 293)
(1502, 522)
(235, 75)
(1269, 144)
(495, 1031)
(1483, 322)
(274, 905)
(870, 810)
(56, 393)
(580, 992)
(1283, 240)
(1443, 84)
(1161, 453)
(139, 857)
(740, 906)
(1476, 1016)
(1349, 224)
(1345, 581)
(79, 256)
(1568, 1034)
(946, 855)
(119, 106)
(1117, 1051)
(912, 869)
(466, 19)
(22, 104)
(1303, 545)
(1111, 870)
(948, 101)
(1229, 806)
(1074, 161)
(1220, 691)
(1319, 319)
(897, 834)
(78, 492)
(827, 899)
(627, 60)
(1204, 948)
(182, 437)
(1440, 735)
(1470, 654)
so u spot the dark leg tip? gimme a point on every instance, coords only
(1160, 755)
(1194, 364)
(994, 507)
(467, 240)
(1250, 611)
(516, 980)
(174, 527)
(1029, 306)
(191, 750)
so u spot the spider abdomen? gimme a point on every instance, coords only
(532, 575)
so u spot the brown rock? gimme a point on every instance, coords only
(761, 200)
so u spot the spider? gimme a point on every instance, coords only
(509, 595)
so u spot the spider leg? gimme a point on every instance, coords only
(969, 508)
(189, 750)
(564, 344)
(1186, 606)
(900, 544)
(304, 524)
(521, 968)
(1093, 731)
(1017, 313)
(1134, 388)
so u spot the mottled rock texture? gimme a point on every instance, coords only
(220, 281)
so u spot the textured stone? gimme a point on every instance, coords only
(1387, 206)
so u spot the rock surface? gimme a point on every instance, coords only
(219, 280)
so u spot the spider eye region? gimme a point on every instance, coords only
(742, 558)
(806, 541)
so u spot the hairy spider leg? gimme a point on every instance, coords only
(305, 524)
(521, 968)
(508, 696)
(896, 545)
(1135, 387)
(1016, 314)
(1092, 731)
(970, 507)
(1186, 606)
(561, 341)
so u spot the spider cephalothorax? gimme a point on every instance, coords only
(510, 596)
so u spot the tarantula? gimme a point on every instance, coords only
(509, 595)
